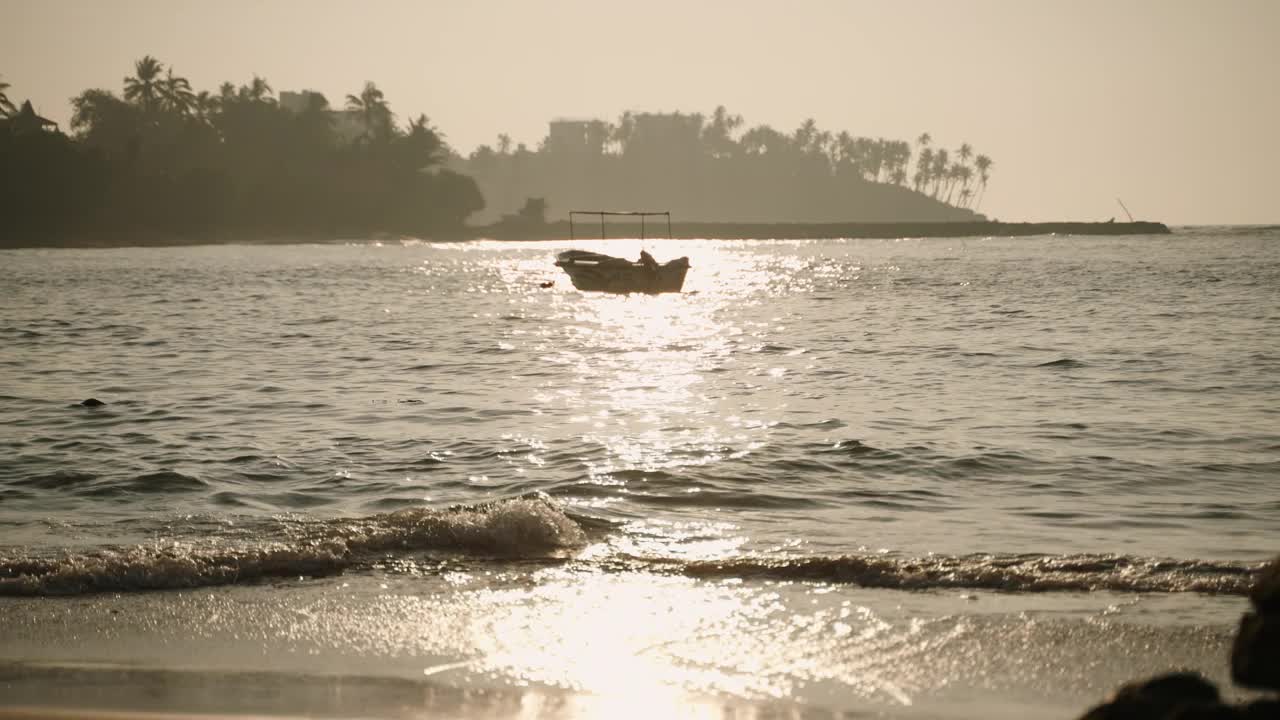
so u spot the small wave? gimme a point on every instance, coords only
(857, 448)
(1062, 364)
(1009, 573)
(532, 526)
(57, 480)
(164, 481)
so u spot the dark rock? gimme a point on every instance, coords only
(1207, 712)
(1255, 662)
(1187, 694)
(93, 402)
(1255, 655)
(1265, 594)
(1180, 687)
(1261, 710)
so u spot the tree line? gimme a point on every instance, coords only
(162, 157)
(712, 167)
(159, 157)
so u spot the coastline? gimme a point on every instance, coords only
(819, 231)
(559, 230)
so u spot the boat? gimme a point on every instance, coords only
(597, 272)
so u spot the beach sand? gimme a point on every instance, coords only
(554, 643)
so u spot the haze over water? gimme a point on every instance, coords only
(1086, 424)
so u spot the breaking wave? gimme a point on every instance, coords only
(531, 526)
(1008, 573)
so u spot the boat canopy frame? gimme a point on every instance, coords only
(633, 213)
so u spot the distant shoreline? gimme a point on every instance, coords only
(560, 231)
(820, 231)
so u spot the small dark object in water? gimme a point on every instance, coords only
(93, 402)
(547, 284)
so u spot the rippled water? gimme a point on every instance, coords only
(1029, 414)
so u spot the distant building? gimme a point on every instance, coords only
(347, 125)
(572, 136)
(299, 101)
(27, 121)
(666, 132)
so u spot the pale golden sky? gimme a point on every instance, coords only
(1171, 105)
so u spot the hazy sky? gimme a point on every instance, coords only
(1171, 105)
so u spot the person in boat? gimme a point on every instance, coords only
(647, 260)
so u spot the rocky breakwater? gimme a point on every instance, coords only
(1255, 664)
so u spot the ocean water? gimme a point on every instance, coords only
(915, 477)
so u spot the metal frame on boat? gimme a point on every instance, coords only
(634, 213)
(598, 272)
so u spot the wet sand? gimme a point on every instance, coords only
(555, 643)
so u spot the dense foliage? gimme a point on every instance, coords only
(164, 159)
(710, 168)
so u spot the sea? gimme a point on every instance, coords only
(915, 477)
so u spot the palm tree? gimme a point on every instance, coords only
(374, 111)
(924, 140)
(805, 135)
(204, 105)
(176, 94)
(145, 84)
(962, 175)
(983, 163)
(426, 146)
(6, 107)
(504, 144)
(924, 169)
(938, 170)
(717, 136)
(258, 90)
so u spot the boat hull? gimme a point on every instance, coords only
(594, 272)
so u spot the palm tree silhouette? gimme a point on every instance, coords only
(425, 144)
(983, 163)
(176, 94)
(374, 111)
(718, 135)
(143, 87)
(258, 90)
(203, 105)
(924, 164)
(938, 169)
(6, 107)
